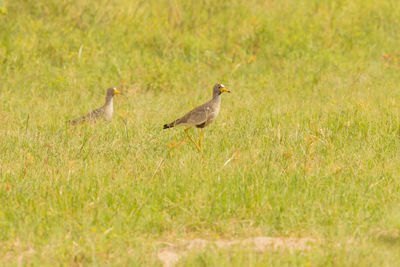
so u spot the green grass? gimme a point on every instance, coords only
(314, 110)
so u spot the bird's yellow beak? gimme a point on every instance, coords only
(116, 92)
(223, 89)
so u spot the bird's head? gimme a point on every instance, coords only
(112, 91)
(219, 89)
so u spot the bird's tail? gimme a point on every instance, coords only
(170, 125)
(78, 121)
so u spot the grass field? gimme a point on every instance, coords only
(313, 122)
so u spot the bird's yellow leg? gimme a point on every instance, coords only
(191, 139)
(201, 137)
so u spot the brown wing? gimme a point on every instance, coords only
(91, 116)
(194, 117)
(96, 114)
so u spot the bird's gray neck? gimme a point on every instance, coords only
(217, 97)
(109, 100)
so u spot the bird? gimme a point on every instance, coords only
(201, 116)
(105, 112)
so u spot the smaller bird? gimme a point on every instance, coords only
(105, 112)
(201, 116)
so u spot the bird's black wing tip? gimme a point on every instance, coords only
(166, 126)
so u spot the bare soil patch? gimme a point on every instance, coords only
(170, 255)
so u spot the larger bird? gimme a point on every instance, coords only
(105, 112)
(201, 116)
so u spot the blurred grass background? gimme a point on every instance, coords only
(314, 114)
